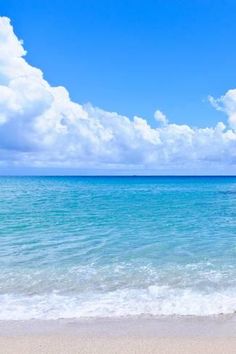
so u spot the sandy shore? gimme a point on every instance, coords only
(71, 345)
(133, 336)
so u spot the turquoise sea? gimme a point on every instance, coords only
(73, 247)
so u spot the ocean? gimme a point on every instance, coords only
(90, 247)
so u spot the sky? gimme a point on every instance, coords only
(130, 59)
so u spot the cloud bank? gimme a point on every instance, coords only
(41, 127)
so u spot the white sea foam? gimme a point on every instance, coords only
(127, 302)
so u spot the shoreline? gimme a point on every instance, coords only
(123, 335)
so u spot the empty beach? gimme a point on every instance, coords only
(121, 336)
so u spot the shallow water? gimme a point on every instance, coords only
(117, 246)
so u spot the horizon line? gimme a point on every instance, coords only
(114, 176)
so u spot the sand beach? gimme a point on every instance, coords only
(120, 336)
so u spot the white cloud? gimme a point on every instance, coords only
(160, 117)
(227, 104)
(40, 126)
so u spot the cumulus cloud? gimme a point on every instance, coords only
(160, 117)
(227, 104)
(41, 127)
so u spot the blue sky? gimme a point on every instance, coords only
(133, 56)
(129, 58)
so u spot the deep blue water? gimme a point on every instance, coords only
(112, 246)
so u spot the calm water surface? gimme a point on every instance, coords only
(117, 246)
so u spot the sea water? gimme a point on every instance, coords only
(75, 247)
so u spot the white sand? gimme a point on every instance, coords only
(133, 336)
(93, 345)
